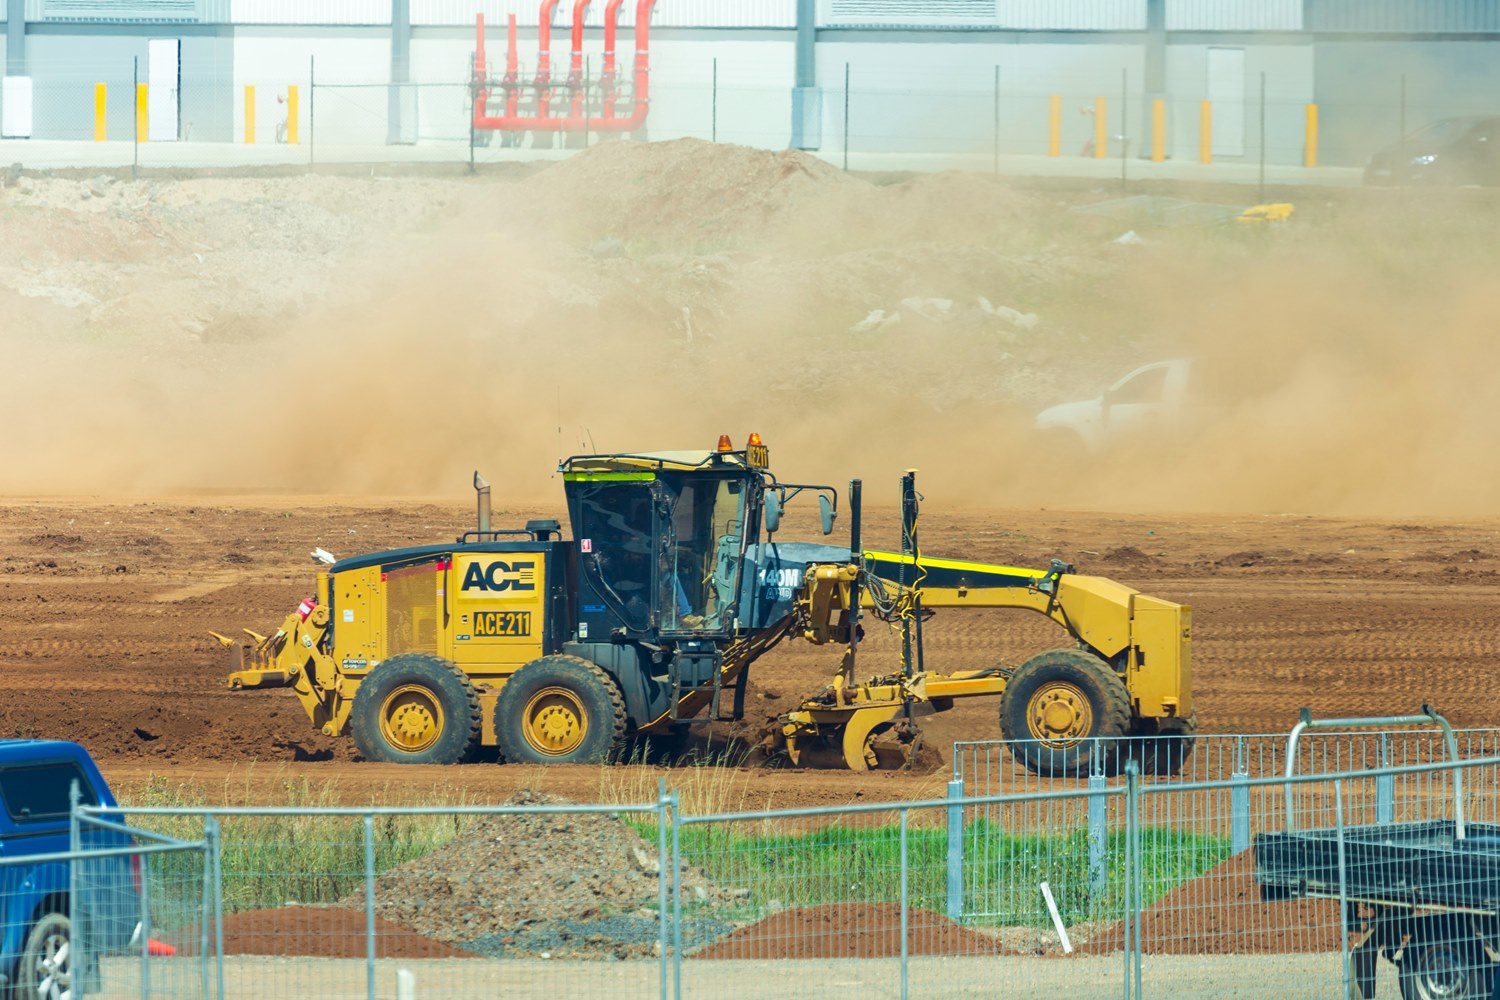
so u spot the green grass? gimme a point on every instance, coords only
(1003, 871)
(274, 860)
(760, 865)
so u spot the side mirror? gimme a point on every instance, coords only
(825, 507)
(773, 512)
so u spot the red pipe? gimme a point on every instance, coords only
(479, 49)
(607, 78)
(575, 68)
(544, 121)
(642, 95)
(543, 81)
(512, 69)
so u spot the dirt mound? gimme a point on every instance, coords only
(316, 932)
(683, 190)
(850, 930)
(572, 885)
(1221, 913)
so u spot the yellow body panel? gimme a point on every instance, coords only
(498, 609)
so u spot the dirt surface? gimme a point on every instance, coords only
(105, 607)
(1221, 913)
(850, 930)
(202, 378)
(316, 932)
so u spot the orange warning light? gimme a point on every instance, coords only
(724, 443)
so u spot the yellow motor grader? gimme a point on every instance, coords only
(648, 619)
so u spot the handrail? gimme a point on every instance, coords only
(1429, 715)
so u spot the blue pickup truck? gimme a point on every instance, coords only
(36, 914)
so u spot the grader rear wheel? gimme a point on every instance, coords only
(560, 710)
(1057, 707)
(416, 709)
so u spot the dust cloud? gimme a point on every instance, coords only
(646, 297)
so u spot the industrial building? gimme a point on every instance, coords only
(1296, 80)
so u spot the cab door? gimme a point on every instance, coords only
(499, 604)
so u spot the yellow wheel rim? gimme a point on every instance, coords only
(1060, 715)
(411, 720)
(555, 722)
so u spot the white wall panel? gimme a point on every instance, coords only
(1017, 15)
(310, 11)
(1234, 15)
(668, 13)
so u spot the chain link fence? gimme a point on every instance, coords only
(1117, 884)
(1097, 125)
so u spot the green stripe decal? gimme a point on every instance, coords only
(608, 477)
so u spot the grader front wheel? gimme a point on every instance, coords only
(1060, 709)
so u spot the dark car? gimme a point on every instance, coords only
(1451, 151)
(36, 913)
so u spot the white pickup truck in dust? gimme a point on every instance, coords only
(1153, 398)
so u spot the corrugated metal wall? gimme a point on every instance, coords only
(1017, 15)
(1403, 15)
(1234, 15)
(307, 12)
(668, 13)
(120, 10)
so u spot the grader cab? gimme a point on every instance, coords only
(649, 618)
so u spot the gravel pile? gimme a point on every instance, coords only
(564, 885)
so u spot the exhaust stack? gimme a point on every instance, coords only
(482, 488)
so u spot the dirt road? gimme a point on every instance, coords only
(105, 609)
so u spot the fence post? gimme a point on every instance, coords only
(1098, 828)
(676, 899)
(145, 928)
(370, 905)
(663, 810)
(293, 110)
(216, 856)
(207, 912)
(1134, 880)
(1101, 127)
(1239, 800)
(905, 946)
(1054, 126)
(955, 851)
(1158, 130)
(1385, 785)
(249, 114)
(846, 118)
(996, 165)
(75, 909)
(1338, 816)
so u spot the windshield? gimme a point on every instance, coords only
(1445, 131)
(700, 550)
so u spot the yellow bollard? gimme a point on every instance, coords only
(100, 103)
(1054, 127)
(1312, 135)
(1206, 133)
(141, 133)
(291, 115)
(1158, 130)
(1101, 128)
(249, 114)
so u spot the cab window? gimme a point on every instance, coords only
(1144, 387)
(42, 791)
